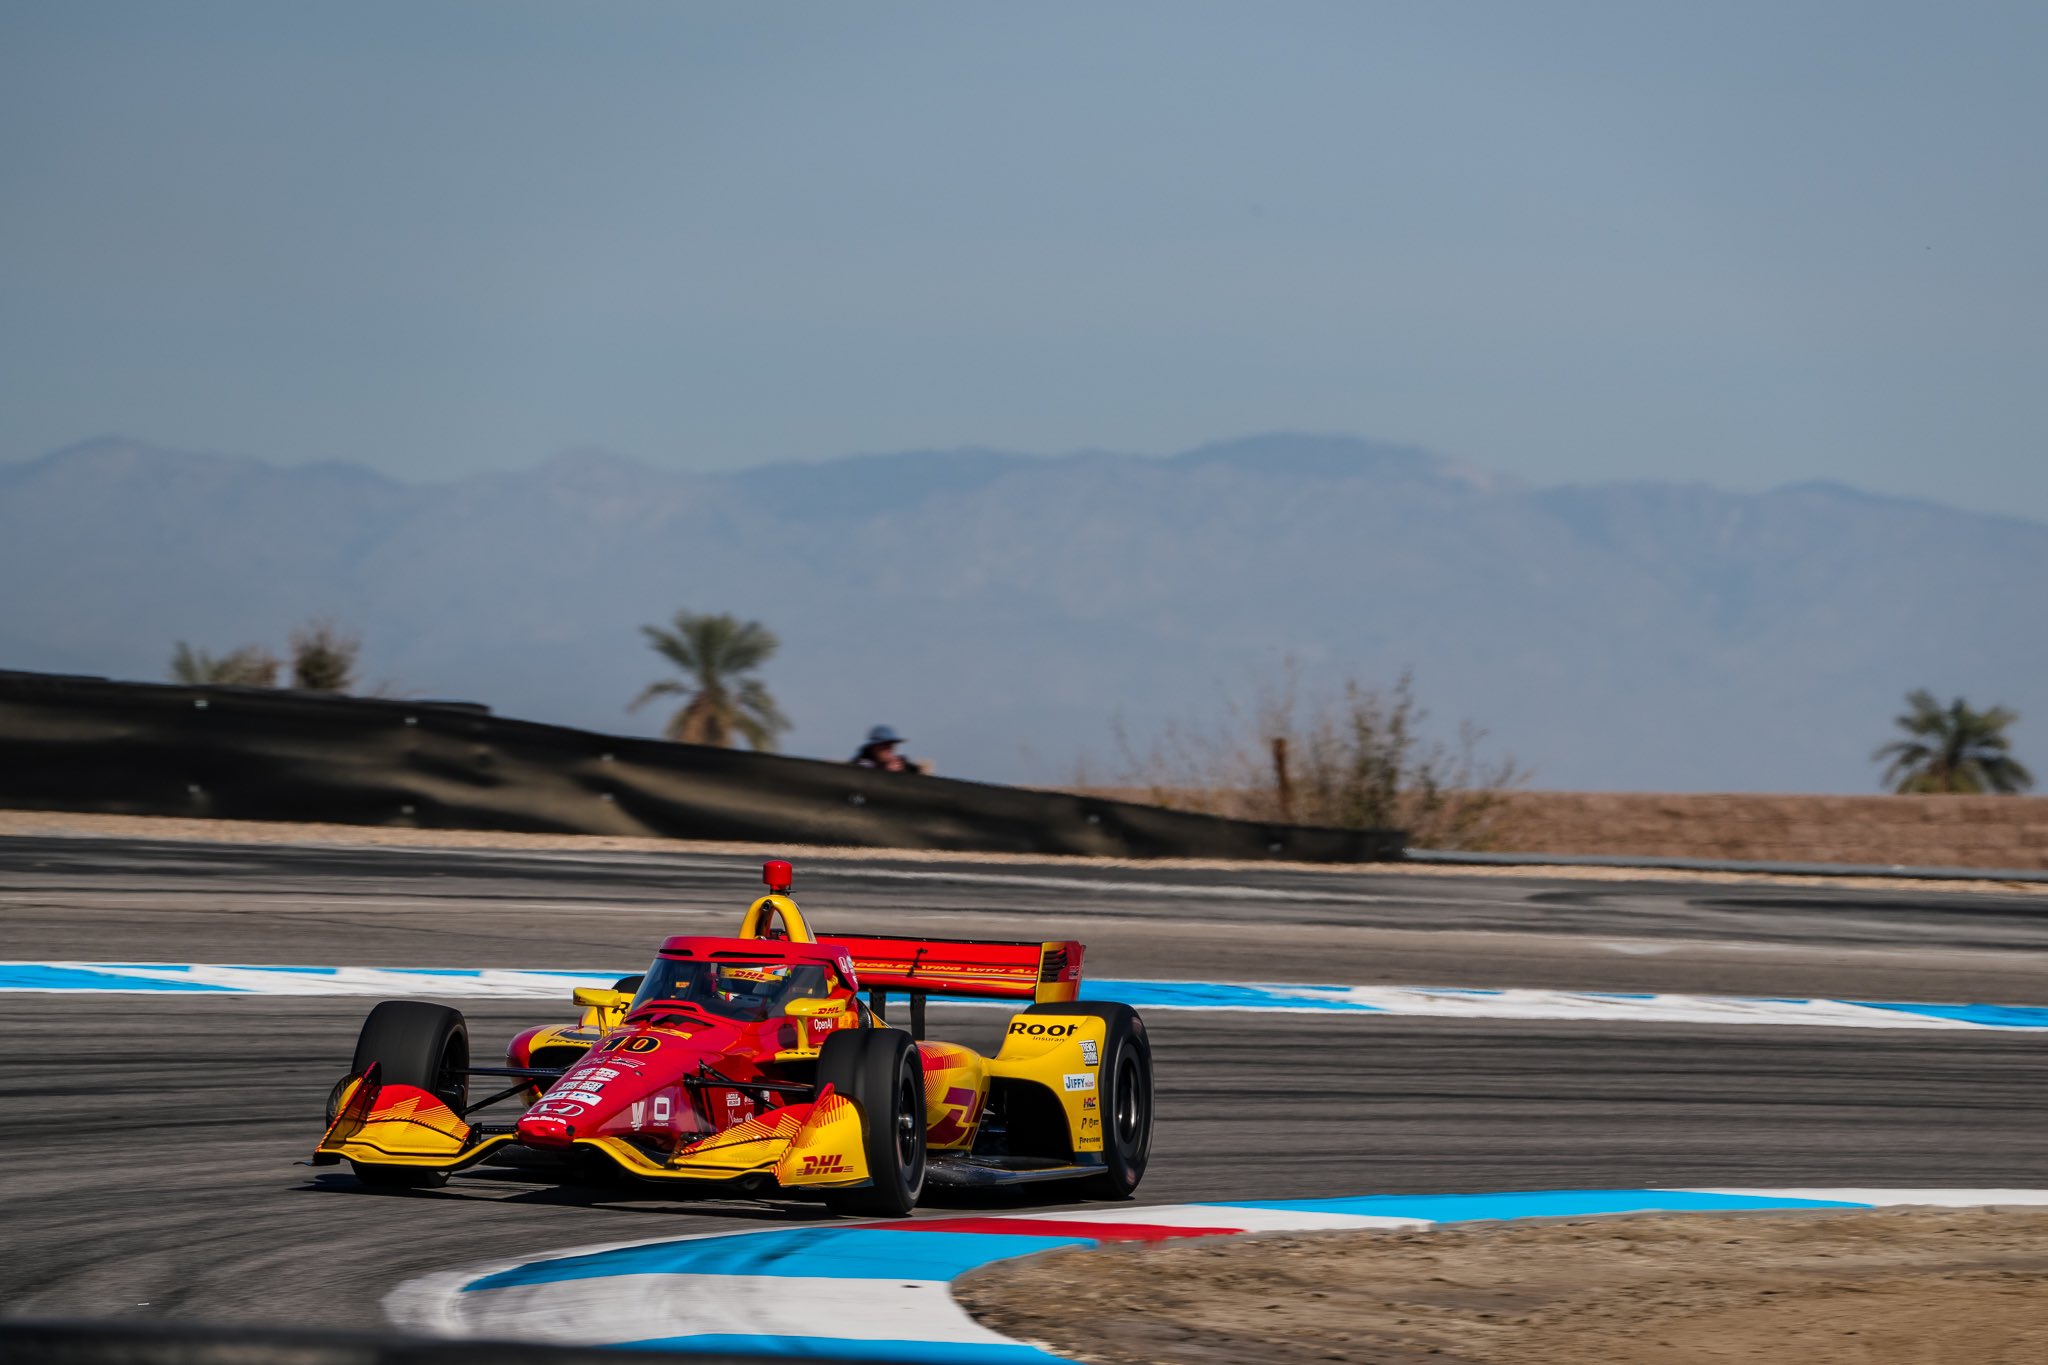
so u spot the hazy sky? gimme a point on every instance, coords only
(1745, 243)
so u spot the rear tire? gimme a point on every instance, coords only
(1124, 1091)
(880, 1071)
(414, 1043)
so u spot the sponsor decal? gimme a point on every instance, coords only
(639, 1042)
(639, 1115)
(1087, 1101)
(664, 1108)
(1030, 1030)
(832, 1163)
(738, 1109)
(599, 1073)
(1079, 1080)
(1090, 1128)
(1088, 1052)
(576, 1096)
(956, 1124)
(576, 1035)
(558, 1109)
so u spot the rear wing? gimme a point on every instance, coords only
(979, 969)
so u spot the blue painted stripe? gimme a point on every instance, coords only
(1197, 995)
(36, 976)
(931, 1352)
(846, 1253)
(1991, 1016)
(1464, 1208)
(1224, 995)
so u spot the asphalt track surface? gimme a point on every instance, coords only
(146, 1142)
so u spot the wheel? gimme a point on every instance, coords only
(419, 1044)
(1124, 1090)
(879, 1070)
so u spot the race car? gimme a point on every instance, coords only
(752, 1065)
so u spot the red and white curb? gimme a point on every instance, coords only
(880, 1290)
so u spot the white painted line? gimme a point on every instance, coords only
(1425, 1002)
(620, 1308)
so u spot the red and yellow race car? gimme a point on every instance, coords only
(753, 1064)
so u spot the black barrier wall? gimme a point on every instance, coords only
(179, 1343)
(89, 744)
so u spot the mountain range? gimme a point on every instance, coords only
(1006, 611)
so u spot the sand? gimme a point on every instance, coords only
(1901, 1287)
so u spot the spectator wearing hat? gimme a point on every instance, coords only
(880, 753)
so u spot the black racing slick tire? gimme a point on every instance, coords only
(879, 1069)
(416, 1043)
(1123, 1089)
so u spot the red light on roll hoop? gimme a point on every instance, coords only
(779, 875)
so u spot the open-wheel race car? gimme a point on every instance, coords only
(752, 1065)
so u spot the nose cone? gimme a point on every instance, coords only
(543, 1130)
(587, 1097)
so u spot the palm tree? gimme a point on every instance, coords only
(716, 653)
(1953, 749)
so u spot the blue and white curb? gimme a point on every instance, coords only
(1435, 1002)
(880, 1290)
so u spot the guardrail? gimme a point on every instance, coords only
(91, 744)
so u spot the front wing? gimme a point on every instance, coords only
(817, 1144)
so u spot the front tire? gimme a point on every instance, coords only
(1124, 1091)
(880, 1071)
(424, 1045)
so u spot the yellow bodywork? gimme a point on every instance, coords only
(400, 1126)
(1063, 1053)
(603, 1009)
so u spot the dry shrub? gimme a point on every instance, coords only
(324, 657)
(249, 666)
(1357, 758)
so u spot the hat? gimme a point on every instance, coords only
(882, 734)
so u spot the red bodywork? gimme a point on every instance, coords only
(646, 1082)
(660, 1081)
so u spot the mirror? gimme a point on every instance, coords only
(812, 1007)
(601, 998)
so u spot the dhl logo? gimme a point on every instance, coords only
(956, 1125)
(830, 1163)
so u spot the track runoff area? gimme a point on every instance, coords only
(1349, 1048)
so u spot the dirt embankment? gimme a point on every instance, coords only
(1930, 1287)
(2004, 832)
(1927, 831)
